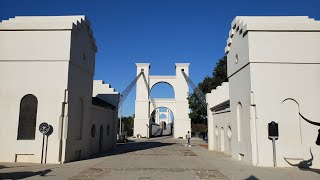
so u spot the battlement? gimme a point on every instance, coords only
(241, 25)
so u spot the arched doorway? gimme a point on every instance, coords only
(161, 122)
(101, 139)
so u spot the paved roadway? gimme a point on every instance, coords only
(159, 158)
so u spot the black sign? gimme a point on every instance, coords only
(44, 128)
(273, 130)
(318, 139)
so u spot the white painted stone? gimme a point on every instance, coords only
(144, 105)
(271, 59)
(220, 119)
(53, 58)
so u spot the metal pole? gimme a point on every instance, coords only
(46, 152)
(120, 119)
(42, 149)
(274, 152)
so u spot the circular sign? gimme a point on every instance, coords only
(44, 128)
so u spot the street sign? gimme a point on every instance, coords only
(273, 130)
(273, 134)
(44, 128)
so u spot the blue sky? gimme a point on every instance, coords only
(161, 32)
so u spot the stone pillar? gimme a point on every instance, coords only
(157, 116)
(142, 105)
(168, 116)
(182, 122)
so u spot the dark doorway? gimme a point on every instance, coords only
(101, 139)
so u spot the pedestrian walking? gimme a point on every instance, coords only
(189, 137)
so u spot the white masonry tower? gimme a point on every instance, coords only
(179, 106)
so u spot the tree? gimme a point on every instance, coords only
(127, 125)
(198, 114)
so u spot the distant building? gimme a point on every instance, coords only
(46, 68)
(273, 72)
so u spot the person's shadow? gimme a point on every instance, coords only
(23, 174)
(304, 165)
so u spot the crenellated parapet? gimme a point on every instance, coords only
(105, 92)
(218, 95)
(241, 25)
(22, 23)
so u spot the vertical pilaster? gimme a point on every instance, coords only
(142, 106)
(182, 122)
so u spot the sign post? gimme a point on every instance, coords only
(44, 128)
(273, 134)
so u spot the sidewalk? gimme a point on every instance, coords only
(157, 158)
(235, 169)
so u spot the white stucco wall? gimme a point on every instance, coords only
(102, 117)
(271, 67)
(215, 97)
(108, 94)
(55, 63)
(222, 130)
(26, 70)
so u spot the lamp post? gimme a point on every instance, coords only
(120, 120)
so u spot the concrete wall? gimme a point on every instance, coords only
(80, 83)
(108, 94)
(55, 63)
(270, 60)
(30, 71)
(222, 139)
(102, 117)
(215, 97)
(296, 136)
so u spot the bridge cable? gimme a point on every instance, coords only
(201, 97)
(128, 89)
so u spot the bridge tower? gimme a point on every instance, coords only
(179, 106)
(142, 103)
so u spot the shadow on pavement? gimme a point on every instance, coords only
(2, 167)
(132, 147)
(251, 178)
(23, 174)
(304, 165)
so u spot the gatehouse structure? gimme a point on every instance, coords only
(273, 72)
(166, 114)
(47, 66)
(144, 105)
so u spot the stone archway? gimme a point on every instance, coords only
(144, 105)
(165, 124)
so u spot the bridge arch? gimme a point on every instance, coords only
(155, 83)
(144, 105)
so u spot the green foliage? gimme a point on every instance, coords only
(201, 128)
(198, 114)
(127, 125)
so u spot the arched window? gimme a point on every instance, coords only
(27, 118)
(93, 130)
(239, 119)
(108, 129)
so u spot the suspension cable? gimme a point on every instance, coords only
(196, 90)
(128, 89)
